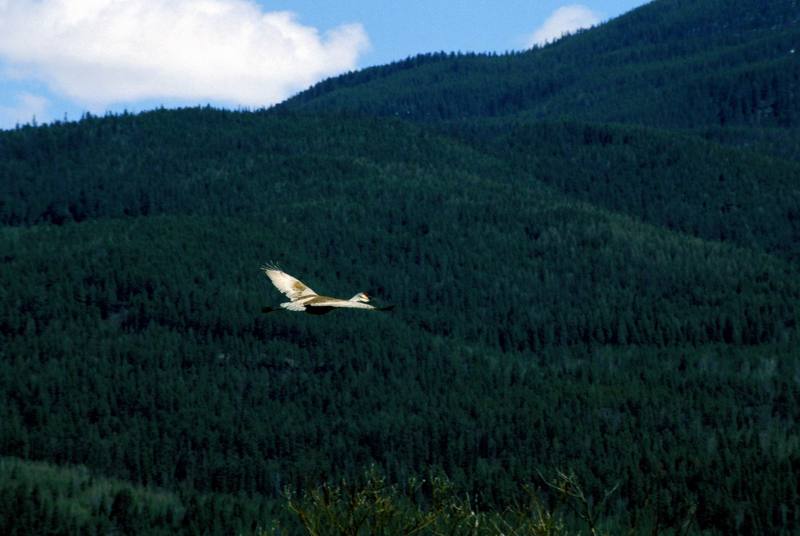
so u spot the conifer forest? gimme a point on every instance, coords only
(593, 252)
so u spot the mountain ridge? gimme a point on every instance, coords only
(442, 86)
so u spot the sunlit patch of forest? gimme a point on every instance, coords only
(594, 268)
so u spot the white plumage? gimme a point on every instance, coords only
(302, 298)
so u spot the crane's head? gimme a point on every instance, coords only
(360, 297)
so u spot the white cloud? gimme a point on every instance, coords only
(26, 108)
(100, 52)
(563, 20)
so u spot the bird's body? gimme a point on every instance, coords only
(303, 299)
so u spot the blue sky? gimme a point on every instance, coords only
(61, 58)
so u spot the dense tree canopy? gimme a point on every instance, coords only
(606, 286)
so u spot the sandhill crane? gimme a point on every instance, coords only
(302, 298)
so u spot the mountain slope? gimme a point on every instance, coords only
(669, 63)
(236, 163)
(406, 198)
(666, 178)
(203, 161)
(131, 332)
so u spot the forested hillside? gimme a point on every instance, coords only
(668, 63)
(608, 287)
(671, 179)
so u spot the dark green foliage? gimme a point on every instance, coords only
(674, 181)
(40, 498)
(148, 378)
(239, 164)
(621, 299)
(669, 63)
(231, 163)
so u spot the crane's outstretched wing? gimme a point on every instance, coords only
(293, 288)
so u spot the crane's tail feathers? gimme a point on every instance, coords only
(268, 309)
(385, 309)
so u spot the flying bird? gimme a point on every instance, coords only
(302, 298)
